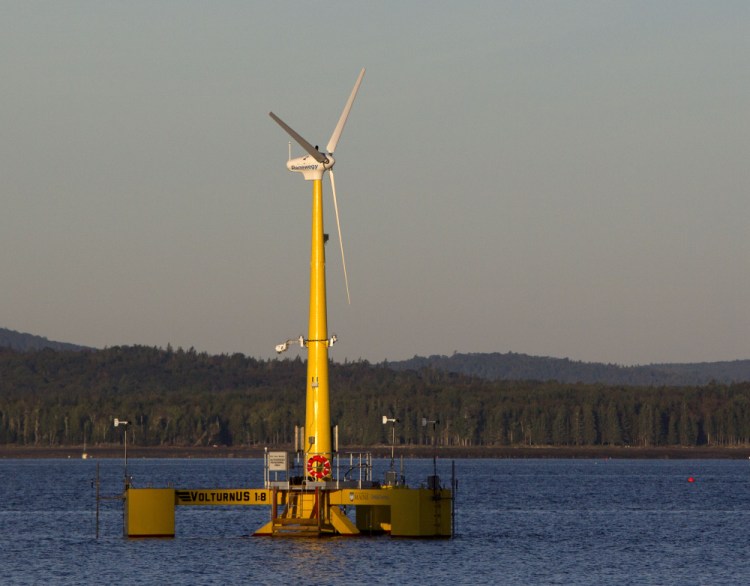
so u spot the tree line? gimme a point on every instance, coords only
(185, 398)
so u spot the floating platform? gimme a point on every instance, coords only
(302, 508)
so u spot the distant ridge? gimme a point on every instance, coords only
(26, 342)
(507, 367)
(512, 366)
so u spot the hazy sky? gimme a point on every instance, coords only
(565, 179)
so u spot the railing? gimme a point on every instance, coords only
(282, 470)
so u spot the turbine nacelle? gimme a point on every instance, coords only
(310, 168)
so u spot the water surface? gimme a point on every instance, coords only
(518, 522)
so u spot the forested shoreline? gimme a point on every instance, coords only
(182, 398)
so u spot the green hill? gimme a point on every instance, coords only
(512, 366)
(184, 398)
(19, 341)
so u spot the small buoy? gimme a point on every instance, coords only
(691, 479)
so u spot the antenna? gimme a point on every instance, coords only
(314, 153)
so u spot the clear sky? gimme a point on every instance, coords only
(567, 179)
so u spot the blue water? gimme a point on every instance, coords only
(517, 522)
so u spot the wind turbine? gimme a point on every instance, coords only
(318, 449)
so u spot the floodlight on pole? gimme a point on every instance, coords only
(434, 423)
(118, 422)
(393, 421)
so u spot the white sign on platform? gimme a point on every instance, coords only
(278, 461)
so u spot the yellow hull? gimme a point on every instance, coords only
(399, 511)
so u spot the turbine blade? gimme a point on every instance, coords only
(344, 115)
(341, 242)
(312, 151)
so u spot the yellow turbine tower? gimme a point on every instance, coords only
(317, 441)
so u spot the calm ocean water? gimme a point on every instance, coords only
(517, 522)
